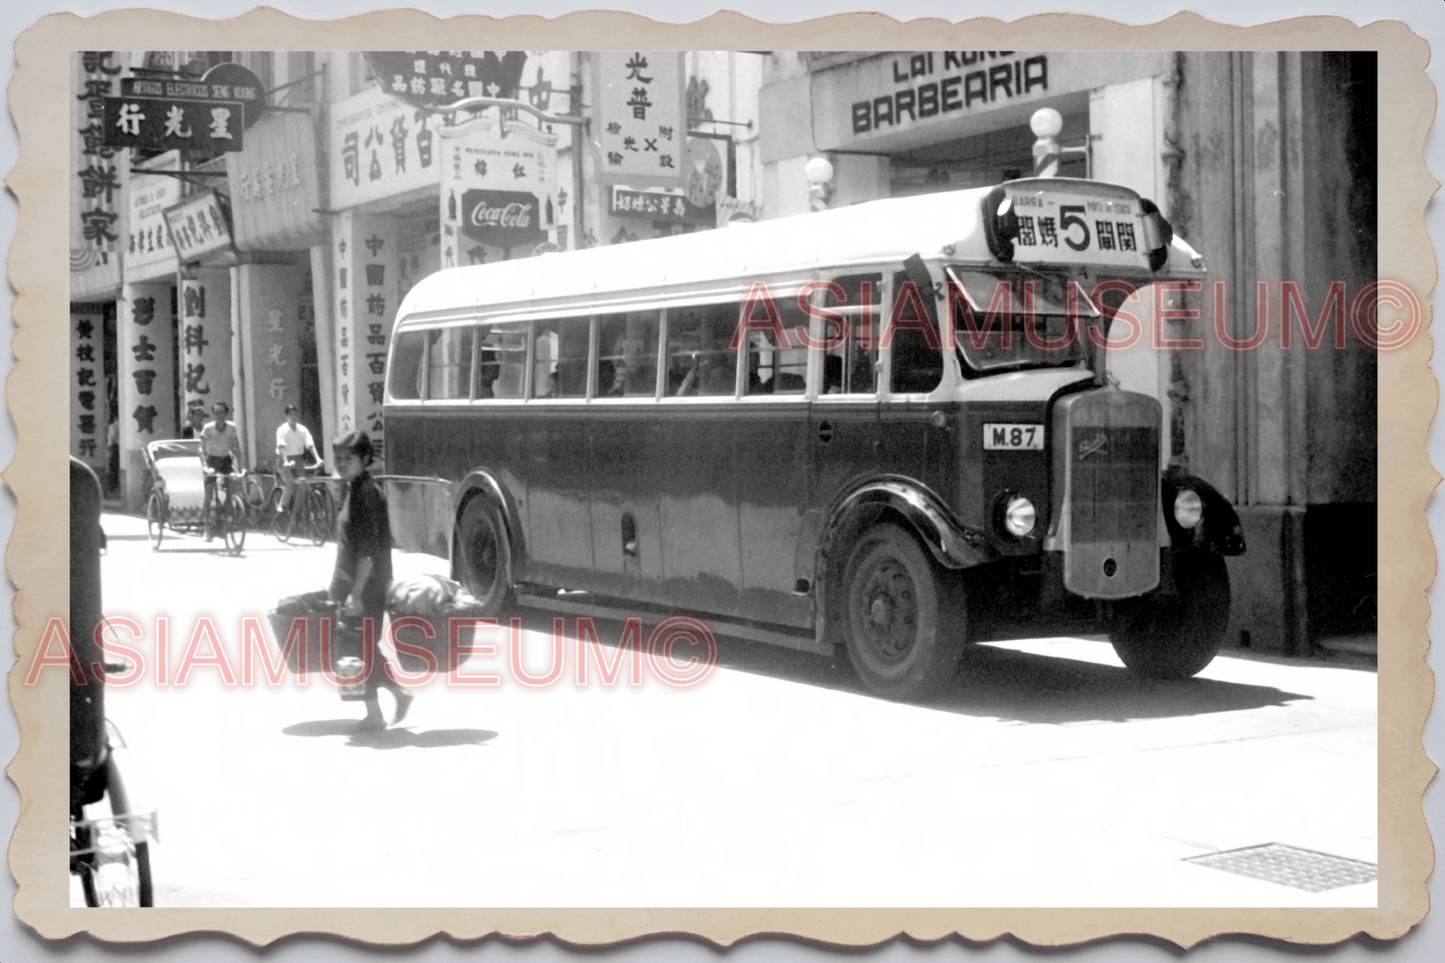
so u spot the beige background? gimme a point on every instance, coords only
(38, 271)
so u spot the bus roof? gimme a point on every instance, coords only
(931, 225)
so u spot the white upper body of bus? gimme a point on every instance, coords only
(1084, 228)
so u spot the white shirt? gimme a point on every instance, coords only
(293, 441)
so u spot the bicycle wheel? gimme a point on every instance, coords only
(255, 503)
(281, 522)
(155, 519)
(320, 514)
(235, 522)
(109, 849)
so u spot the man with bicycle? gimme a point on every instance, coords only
(220, 441)
(295, 452)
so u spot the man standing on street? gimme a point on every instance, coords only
(295, 451)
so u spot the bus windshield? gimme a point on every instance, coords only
(1018, 320)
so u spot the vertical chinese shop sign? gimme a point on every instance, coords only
(641, 117)
(95, 182)
(89, 414)
(366, 265)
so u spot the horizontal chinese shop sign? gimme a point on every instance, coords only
(431, 78)
(198, 227)
(223, 83)
(275, 187)
(158, 124)
(658, 204)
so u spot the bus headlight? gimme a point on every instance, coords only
(1188, 508)
(1019, 516)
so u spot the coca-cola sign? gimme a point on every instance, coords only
(502, 218)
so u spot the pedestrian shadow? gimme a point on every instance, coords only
(394, 738)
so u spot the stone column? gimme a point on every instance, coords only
(270, 352)
(145, 354)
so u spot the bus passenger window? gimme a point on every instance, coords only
(503, 361)
(560, 361)
(405, 374)
(917, 363)
(449, 365)
(700, 361)
(851, 363)
(627, 354)
(779, 367)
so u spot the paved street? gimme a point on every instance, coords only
(1045, 776)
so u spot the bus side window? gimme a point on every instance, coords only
(778, 368)
(449, 365)
(851, 363)
(627, 354)
(917, 363)
(560, 361)
(406, 374)
(503, 362)
(700, 361)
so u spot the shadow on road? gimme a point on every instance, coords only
(997, 682)
(400, 738)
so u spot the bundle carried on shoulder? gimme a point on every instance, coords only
(431, 601)
(301, 621)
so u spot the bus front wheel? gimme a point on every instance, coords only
(904, 635)
(482, 559)
(1176, 636)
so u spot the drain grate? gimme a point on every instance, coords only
(1291, 866)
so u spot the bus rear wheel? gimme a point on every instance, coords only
(904, 636)
(1176, 636)
(482, 555)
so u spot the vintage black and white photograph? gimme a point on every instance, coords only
(737, 478)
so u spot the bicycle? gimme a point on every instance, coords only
(229, 510)
(312, 512)
(109, 843)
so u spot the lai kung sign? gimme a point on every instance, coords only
(198, 227)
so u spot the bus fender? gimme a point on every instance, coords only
(952, 544)
(1218, 531)
(483, 484)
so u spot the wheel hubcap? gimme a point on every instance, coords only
(892, 611)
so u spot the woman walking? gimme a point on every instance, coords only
(363, 570)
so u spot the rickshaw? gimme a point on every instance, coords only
(178, 495)
(109, 843)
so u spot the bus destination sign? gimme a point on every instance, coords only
(1059, 226)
